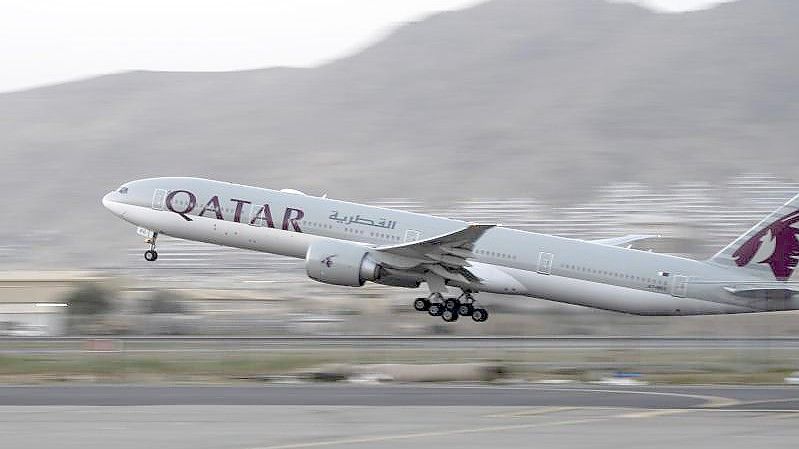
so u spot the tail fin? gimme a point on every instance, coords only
(771, 247)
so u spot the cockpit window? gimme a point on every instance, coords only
(123, 190)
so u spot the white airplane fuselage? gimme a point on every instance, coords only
(502, 260)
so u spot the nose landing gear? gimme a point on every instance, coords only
(151, 254)
(450, 309)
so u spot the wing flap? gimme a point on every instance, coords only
(761, 292)
(458, 252)
(447, 274)
(445, 256)
(456, 244)
(447, 259)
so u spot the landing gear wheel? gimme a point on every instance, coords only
(151, 255)
(465, 310)
(435, 309)
(449, 315)
(451, 304)
(480, 315)
(421, 304)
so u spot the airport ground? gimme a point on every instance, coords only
(397, 416)
(244, 359)
(232, 393)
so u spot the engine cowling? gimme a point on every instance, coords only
(340, 263)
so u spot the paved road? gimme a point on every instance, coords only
(296, 427)
(739, 397)
(397, 416)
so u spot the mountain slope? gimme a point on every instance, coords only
(549, 99)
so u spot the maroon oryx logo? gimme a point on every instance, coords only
(777, 245)
(328, 261)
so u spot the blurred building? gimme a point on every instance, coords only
(31, 302)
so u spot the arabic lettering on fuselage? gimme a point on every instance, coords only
(262, 216)
(357, 219)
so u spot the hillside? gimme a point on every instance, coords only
(548, 99)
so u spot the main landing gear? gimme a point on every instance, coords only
(450, 309)
(151, 254)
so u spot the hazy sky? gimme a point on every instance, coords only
(50, 41)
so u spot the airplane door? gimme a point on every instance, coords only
(412, 235)
(158, 199)
(545, 262)
(679, 286)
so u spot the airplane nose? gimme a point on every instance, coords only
(110, 203)
(107, 199)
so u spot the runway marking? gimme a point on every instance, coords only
(745, 410)
(656, 413)
(536, 411)
(710, 401)
(635, 413)
(650, 413)
(765, 401)
(408, 436)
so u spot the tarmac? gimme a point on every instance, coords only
(397, 416)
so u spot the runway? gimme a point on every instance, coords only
(397, 416)
(768, 398)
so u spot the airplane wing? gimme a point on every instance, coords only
(624, 240)
(444, 255)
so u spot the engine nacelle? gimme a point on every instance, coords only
(340, 263)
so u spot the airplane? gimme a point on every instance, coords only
(349, 244)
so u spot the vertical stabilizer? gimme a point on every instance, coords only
(770, 248)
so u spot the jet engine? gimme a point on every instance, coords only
(340, 263)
